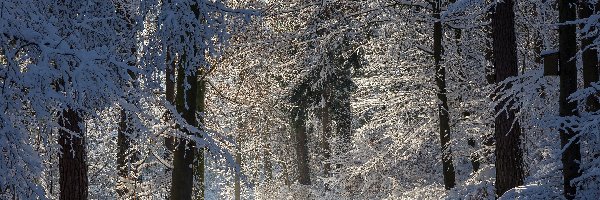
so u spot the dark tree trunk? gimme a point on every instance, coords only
(169, 94)
(343, 113)
(183, 159)
(237, 188)
(125, 136)
(568, 85)
(199, 88)
(72, 164)
(489, 55)
(326, 131)
(124, 156)
(440, 79)
(201, 106)
(487, 155)
(509, 156)
(169, 140)
(299, 126)
(589, 56)
(475, 158)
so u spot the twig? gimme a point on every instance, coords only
(162, 161)
(221, 94)
(422, 48)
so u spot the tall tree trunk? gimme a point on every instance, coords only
(509, 156)
(124, 155)
(568, 85)
(440, 79)
(72, 164)
(589, 56)
(590, 63)
(238, 159)
(286, 175)
(299, 120)
(487, 143)
(125, 133)
(169, 94)
(199, 173)
(326, 131)
(183, 159)
(199, 89)
(343, 113)
(169, 140)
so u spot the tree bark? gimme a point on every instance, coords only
(509, 155)
(343, 110)
(124, 155)
(486, 156)
(299, 120)
(444, 118)
(169, 94)
(238, 159)
(199, 173)
(125, 134)
(568, 85)
(72, 164)
(169, 140)
(589, 56)
(183, 159)
(326, 131)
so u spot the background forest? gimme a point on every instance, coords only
(299, 99)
